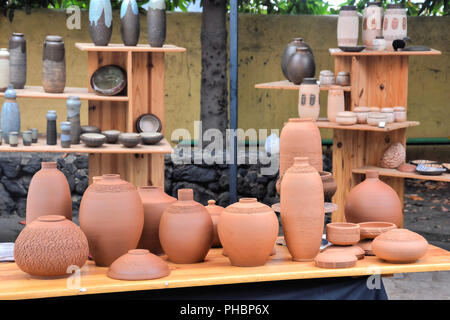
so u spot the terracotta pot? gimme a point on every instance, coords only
(372, 25)
(371, 230)
(343, 233)
(100, 21)
(335, 103)
(289, 50)
(4, 69)
(354, 249)
(112, 217)
(54, 65)
(373, 200)
(10, 119)
(215, 211)
(329, 185)
(335, 260)
(156, 23)
(129, 22)
(186, 229)
(49, 245)
(400, 246)
(366, 245)
(248, 230)
(348, 27)
(301, 65)
(394, 25)
(48, 193)
(302, 213)
(155, 201)
(308, 99)
(18, 60)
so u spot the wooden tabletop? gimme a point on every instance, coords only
(216, 270)
(339, 52)
(122, 48)
(325, 124)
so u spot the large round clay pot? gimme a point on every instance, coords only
(156, 23)
(248, 230)
(18, 60)
(155, 201)
(373, 200)
(186, 229)
(100, 21)
(215, 211)
(289, 50)
(129, 22)
(301, 65)
(48, 193)
(49, 245)
(329, 185)
(112, 217)
(54, 65)
(302, 210)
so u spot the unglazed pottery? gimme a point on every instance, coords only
(186, 229)
(371, 230)
(109, 80)
(112, 136)
(400, 246)
(155, 201)
(406, 167)
(248, 230)
(329, 185)
(17, 60)
(372, 25)
(10, 114)
(302, 213)
(375, 118)
(54, 65)
(289, 50)
(130, 139)
(366, 245)
(4, 69)
(93, 140)
(100, 21)
(300, 65)
(354, 249)
(308, 99)
(326, 78)
(346, 118)
(52, 134)
(343, 78)
(343, 233)
(48, 193)
(156, 23)
(399, 114)
(138, 264)
(374, 110)
(215, 211)
(112, 217)
(151, 137)
(389, 112)
(361, 114)
(73, 116)
(348, 27)
(373, 200)
(336, 102)
(394, 156)
(65, 134)
(50, 246)
(394, 25)
(335, 260)
(129, 22)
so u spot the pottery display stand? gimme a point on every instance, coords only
(142, 165)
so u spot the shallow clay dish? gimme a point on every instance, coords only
(93, 140)
(371, 230)
(343, 233)
(109, 80)
(89, 129)
(151, 137)
(148, 123)
(111, 135)
(335, 260)
(352, 48)
(406, 167)
(366, 245)
(130, 139)
(356, 250)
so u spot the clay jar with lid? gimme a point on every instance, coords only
(374, 118)
(343, 78)
(389, 112)
(336, 102)
(302, 213)
(155, 201)
(248, 230)
(215, 211)
(399, 114)
(112, 217)
(326, 78)
(289, 50)
(348, 27)
(372, 23)
(373, 200)
(186, 229)
(48, 193)
(395, 24)
(361, 114)
(308, 99)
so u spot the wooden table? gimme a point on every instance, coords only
(216, 270)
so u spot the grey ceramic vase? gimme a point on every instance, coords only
(129, 22)
(301, 65)
(10, 114)
(100, 21)
(54, 65)
(17, 60)
(65, 134)
(51, 128)
(289, 50)
(73, 116)
(156, 23)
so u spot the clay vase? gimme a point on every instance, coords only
(65, 134)
(302, 210)
(54, 65)
(156, 23)
(329, 185)
(372, 25)
(186, 229)
(4, 69)
(73, 116)
(300, 65)
(52, 134)
(50, 246)
(155, 201)
(112, 217)
(289, 50)
(215, 211)
(373, 200)
(400, 246)
(10, 121)
(17, 60)
(308, 99)
(129, 22)
(100, 21)
(48, 193)
(335, 103)
(348, 27)
(248, 230)
(394, 25)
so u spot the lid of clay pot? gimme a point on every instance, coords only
(400, 235)
(374, 3)
(138, 264)
(309, 81)
(399, 108)
(377, 115)
(326, 73)
(395, 6)
(335, 259)
(53, 38)
(387, 110)
(17, 34)
(354, 249)
(366, 245)
(361, 109)
(214, 209)
(248, 206)
(346, 114)
(348, 8)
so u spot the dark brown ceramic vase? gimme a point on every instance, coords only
(18, 60)
(215, 211)
(248, 230)
(112, 217)
(54, 65)
(302, 210)
(49, 245)
(373, 200)
(155, 201)
(186, 229)
(301, 65)
(48, 193)
(289, 50)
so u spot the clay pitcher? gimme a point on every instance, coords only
(112, 217)
(48, 193)
(215, 211)
(302, 210)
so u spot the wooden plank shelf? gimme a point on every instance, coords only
(287, 85)
(397, 174)
(325, 124)
(216, 270)
(122, 48)
(339, 52)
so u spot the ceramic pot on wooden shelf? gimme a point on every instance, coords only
(300, 65)
(308, 99)
(73, 116)
(17, 60)
(289, 50)
(395, 24)
(4, 69)
(215, 211)
(10, 120)
(54, 65)
(52, 134)
(100, 22)
(129, 22)
(156, 23)
(347, 27)
(336, 102)
(394, 156)
(372, 25)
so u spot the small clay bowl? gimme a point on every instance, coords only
(335, 260)
(346, 118)
(130, 139)
(375, 118)
(371, 230)
(406, 167)
(357, 251)
(366, 245)
(90, 129)
(93, 140)
(148, 123)
(112, 136)
(343, 233)
(151, 137)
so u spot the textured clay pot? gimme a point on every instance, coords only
(186, 229)
(302, 213)
(129, 22)
(329, 185)
(156, 23)
(335, 260)
(400, 246)
(248, 230)
(4, 69)
(348, 27)
(215, 211)
(52, 134)
(335, 103)
(354, 249)
(155, 201)
(18, 60)
(49, 245)
(138, 264)
(100, 21)
(371, 230)
(289, 50)
(54, 65)
(366, 245)
(48, 193)
(10, 114)
(343, 233)
(301, 65)
(394, 156)
(394, 25)
(372, 23)
(308, 99)
(373, 200)
(112, 217)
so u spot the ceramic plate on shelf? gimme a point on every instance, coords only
(148, 123)
(426, 162)
(430, 170)
(353, 49)
(109, 80)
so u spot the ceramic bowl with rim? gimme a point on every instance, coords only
(375, 109)
(109, 80)
(375, 118)
(151, 137)
(326, 78)
(371, 230)
(90, 129)
(112, 136)
(346, 118)
(389, 112)
(343, 233)
(93, 140)
(130, 139)
(148, 123)
(399, 114)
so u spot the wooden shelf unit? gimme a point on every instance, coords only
(287, 85)
(365, 127)
(384, 172)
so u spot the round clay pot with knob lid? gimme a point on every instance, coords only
(289, 50)
(215, 211)
(301, 65)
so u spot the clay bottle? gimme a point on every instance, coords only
(302, 210)
(112, 217)
(373, 200)
(155, 201)
(186, 229)
(215, 211)
(54, 65)
(48, 193)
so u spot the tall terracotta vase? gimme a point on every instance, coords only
(155, 201)
(129, 22)
(4, 69)
(18, 60)
(215, 211)
(373, 200)
(156, 23)
(186, 229)
(336, 102)
(302, 210)
(48, 193)
(100, 21)
(112, 217)
(54, 65)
